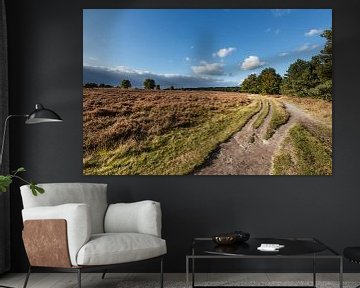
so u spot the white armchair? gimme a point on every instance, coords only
(72, 228)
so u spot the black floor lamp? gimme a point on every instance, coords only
(39, 115)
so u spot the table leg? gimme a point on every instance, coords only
(193, 272)
(187, 272)
(314, 271)
(341, 273)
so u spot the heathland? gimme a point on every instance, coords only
(174, 132)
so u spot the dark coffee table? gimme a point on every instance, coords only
(295, 248)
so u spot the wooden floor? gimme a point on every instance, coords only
(114, 280)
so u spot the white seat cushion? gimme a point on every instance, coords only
(137, 217)
(113, 248)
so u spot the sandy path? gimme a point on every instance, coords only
(247, 153)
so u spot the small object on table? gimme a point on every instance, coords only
(270, 247)
(231, 238)
(242, 236)
(224, 239)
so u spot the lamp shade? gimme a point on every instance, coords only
(42, 115)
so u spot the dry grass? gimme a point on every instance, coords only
(303, 153)
(157, 132)
(318, 108)
(261, 118)
(279, 117)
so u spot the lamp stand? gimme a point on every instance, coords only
(4, 135)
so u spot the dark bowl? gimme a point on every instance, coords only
(241, 236)
(225, 239)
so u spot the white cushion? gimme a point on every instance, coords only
(62, 193)
(113, 248)
(77, 218)
(138, 217)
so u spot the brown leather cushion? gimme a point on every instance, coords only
(46, 243)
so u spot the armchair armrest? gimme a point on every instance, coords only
(138, 217)
(77, 219)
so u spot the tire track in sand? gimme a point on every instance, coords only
(246, 152)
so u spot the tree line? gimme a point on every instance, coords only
(303, 78)
(126, 84)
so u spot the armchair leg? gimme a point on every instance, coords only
(27, 277)
(79, 277)
(103, 275)
(161, 273)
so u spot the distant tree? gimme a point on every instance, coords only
(157, 87)
(250, 84)
(299, 79)
(149, 83)
(172, 87)
(101, 85)
(323, 69)
(269, 81)
(91, 85)
(323, 61)
(311, 78)
(125, 84)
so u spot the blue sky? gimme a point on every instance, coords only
(197, 47)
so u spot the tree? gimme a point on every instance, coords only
(311, 78)
(157, 87)
(250, 84)
(91, 85)
(299, 79)
(323, 61)
(269, 81)
(149, 83)
(323, 69)
(172, 87)
(125, 84)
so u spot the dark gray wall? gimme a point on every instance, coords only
(45, 50)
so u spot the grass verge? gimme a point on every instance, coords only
(279, 117)
(265, 111)
(302, 153)
(177, 152)
(318, 108)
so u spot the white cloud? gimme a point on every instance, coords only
(223, 52)
(282, 54)
(314, 46)
(125, 69)
(111, 75)
(251, 62)
(313, 32)
(307, 47)
(273, 31)
(304, 47)
(208, 68)
(280, 12)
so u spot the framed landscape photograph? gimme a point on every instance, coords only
(207, 92)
